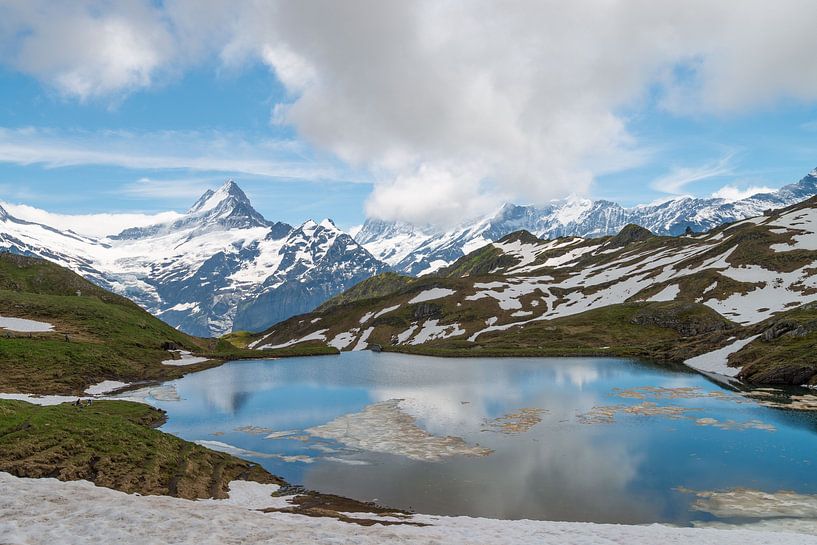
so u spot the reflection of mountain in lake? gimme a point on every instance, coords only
(561, 467)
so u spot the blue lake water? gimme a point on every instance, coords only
(620, 462)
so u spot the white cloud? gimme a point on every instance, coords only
(94, 225)
(87, 48)
(450, 105)
(733, 193)
(678, 178)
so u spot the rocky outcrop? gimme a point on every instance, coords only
(688, 319)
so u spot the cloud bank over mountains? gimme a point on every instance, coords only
(450, 107)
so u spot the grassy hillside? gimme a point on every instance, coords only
(98, 335)
(113, 444)
(377, 286)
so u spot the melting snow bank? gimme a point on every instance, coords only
(717, 360)
(97, 391)
(40, 399)
(431, 294)
(185, 358)
(105, 387)
(21, 325)
(50, 511)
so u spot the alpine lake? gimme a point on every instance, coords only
(572, 439)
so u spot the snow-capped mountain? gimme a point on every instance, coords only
(421, 250)
(222, 266)
(219, 266)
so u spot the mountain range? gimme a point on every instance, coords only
(414, 250)
(222, 266)
(219, 266)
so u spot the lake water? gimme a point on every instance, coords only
(586, 439)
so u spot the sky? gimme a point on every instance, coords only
(425, 111)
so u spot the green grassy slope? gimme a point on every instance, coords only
(377, 286)
(98, 335)
(113, 444)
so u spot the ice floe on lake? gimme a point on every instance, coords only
(384, 427)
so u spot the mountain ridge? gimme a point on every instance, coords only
(219, 263)
(421, 250)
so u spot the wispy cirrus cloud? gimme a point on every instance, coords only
(678, 178)
(198, 151)
(175, 189)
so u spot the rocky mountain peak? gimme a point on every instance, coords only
(228, 207)
(229, 193)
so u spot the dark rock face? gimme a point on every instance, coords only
(337, 264)
(629, 234)
(427, 310)
(790, 328)
(793, 375)
(779, 328)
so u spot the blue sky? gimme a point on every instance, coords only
(204, 102)
(141, 106)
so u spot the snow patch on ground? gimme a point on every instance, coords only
(21, 325)
(319, 335)
(366, 317)
(406, 335)
(434, 266)
(185, 358)
(361, 343)
(342, 340)
(104, 387)
(431, 294)
(386, 311)
(432, 330)
(47, 511)
(669, 293)
(42, 400)
(716, 361)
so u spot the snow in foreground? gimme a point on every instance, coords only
(50, 511)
